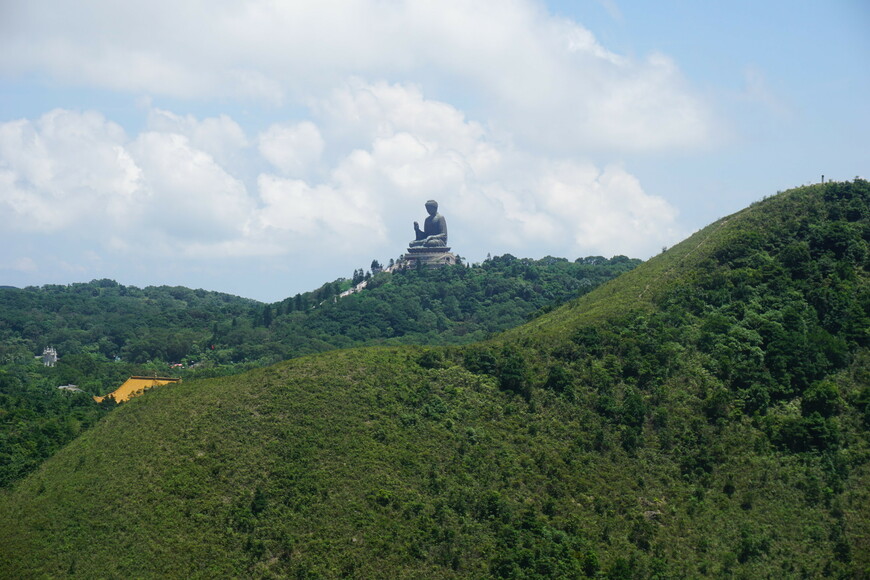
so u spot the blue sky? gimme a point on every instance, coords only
(263, 148)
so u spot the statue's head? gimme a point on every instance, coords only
(431, 206)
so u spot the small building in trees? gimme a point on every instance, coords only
(49, 356)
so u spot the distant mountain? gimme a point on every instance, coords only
(703, 415)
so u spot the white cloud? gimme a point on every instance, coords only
(606, 210)
(319, 218)
(410, 149)
(189, 195)
(292, 148)
(545, 80)
(79, 174)
(63, 170)
(163, 193)
(221, 137)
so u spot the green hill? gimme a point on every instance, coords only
(106, 332)
(162, 324)
(704, 415)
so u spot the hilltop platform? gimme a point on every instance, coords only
(434, 257)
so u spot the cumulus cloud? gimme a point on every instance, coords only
(63, 169)
(292, 148)
(303, 216)
(170, 191)
(221, 137)
(545, 80)
(81, 174)
(605, 208)
(407, 149)
(188, 195)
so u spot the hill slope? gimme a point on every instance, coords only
(703, 415)
(210, 334)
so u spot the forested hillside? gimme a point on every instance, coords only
(106, 332)
(453, 305)
(706, 414)
(173, 324)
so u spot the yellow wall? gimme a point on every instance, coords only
(135, 386)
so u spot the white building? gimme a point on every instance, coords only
(49, 356)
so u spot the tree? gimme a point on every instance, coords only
(512, 371)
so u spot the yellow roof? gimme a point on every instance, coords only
(135, 386)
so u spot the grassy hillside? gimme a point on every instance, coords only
(704, 415)
(106, 332)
